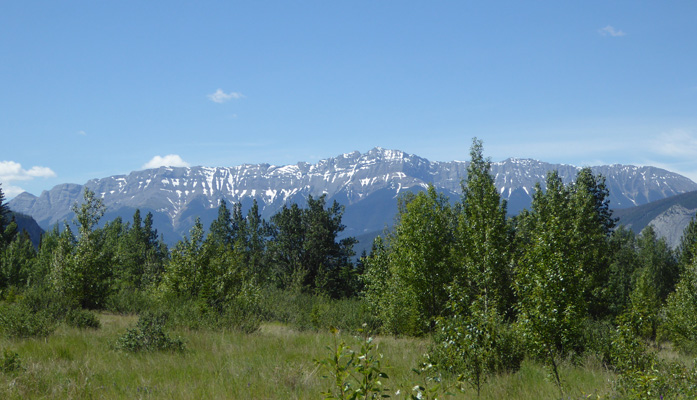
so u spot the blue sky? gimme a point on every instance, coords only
(97, 88)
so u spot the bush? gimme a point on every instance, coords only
(10, 362)
(45, 299)
(83, 319)
(476, 344)
(19, 321)
(149, 335)
(307, 311)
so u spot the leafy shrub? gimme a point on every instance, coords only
(45, 299)
(310, 311)
(149, 335)
(627, 352)
(354, 373)
(19, 321)
(83, 319)
(360, 374)
(661, 380)
(10, 362)
(476, 343)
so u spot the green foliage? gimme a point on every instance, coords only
(627, 352)
(138, 255)
(83, 319)
(19, 321)
(688, 245)
(643, 315)
(16, 261)
(680, 324)
(662, 380)
(304, 247)
(307, 311)
(10, 362)
(551, 281)
(406, 277)
(149, 335)
(213, 277)
(81, 270)
(658, 263)
(482, 249)
(476, 344)
(623, 266)
(355, 374)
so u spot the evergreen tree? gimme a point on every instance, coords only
(256, 231)
(221, 229)
(8, 226)
(305, 250)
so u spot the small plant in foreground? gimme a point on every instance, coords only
(360, 375)
(149, 335)
(356, 375)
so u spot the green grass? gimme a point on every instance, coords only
(276, 362)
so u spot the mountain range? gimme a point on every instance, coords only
(367, 184)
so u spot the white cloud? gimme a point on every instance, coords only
(12, 171)
(611, 31)
(10, 191)
(170, 160)
(82, 133)
(221, 97)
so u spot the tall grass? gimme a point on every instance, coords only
(275, 362)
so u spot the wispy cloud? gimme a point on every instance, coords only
(678, 143)
(170, 160)
(11, 171)
(611, 31)
(82, 133)
(221, 97)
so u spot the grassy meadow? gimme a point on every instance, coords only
(276, 362)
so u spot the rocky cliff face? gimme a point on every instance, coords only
(366, 183)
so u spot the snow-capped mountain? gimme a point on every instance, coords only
(366, 183)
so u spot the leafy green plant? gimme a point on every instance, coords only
(83, 319)
(476, 344)
(356, 375)
(18, 321)
(10, 362)
(149, 335)
(432, 385)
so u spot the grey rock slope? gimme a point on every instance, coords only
(669, 217)
(366, 183)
